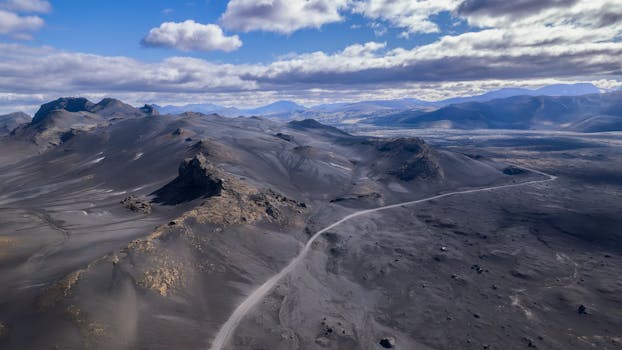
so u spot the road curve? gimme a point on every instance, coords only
(223, 335)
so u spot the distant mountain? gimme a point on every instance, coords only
(550, 90)
(372, 111)
(205, 108)
(276, 108)
(587, 113)
(61, 119)
(374, 105)
(9, 122)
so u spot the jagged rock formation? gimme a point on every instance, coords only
(197, 178)
(136, 205)
(228, 200)
(149, 110)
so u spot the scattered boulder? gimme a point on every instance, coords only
(387, 343)
(582, 310)
(136, 205)
(477, 268)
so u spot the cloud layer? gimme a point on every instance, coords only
(283, 16)
(191, 36)
(18, 26)
(524, 42)
(32, 6)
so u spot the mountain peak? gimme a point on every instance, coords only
(70, 104)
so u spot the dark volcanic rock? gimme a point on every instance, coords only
(406, 158)
(285, 137)
(387, 343)
(136, 205)
(512, 170)
(196, 179)
(582, 310)
(149, 110)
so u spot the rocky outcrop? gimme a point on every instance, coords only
(149, 110)
(285, 137)
(405, 158)
(513, 170)
(197, 179)
(136, 205)
(387, 343)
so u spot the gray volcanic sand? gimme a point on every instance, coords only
(78, 270)
(506, 269)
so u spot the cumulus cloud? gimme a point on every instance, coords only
(517, 44)
(412, 15)
(31, 6)
(191, 36)
(515, 8)
(283, 16)
(19, 27)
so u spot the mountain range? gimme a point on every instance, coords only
(573, 107)
(344, 110)
(585, 113)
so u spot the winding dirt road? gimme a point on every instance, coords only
(223, 335)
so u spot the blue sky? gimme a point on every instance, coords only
(116, 28)
(250, 52)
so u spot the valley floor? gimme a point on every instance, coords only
(514, 268)
(529, 263)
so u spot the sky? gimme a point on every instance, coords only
(246, 53)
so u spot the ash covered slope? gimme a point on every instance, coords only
(8, 122)
(231, 201)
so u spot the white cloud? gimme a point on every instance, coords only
(191, 36)
(17, 26)
(282, 16)
(515, 45)
(412, 15)
(30, 6)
